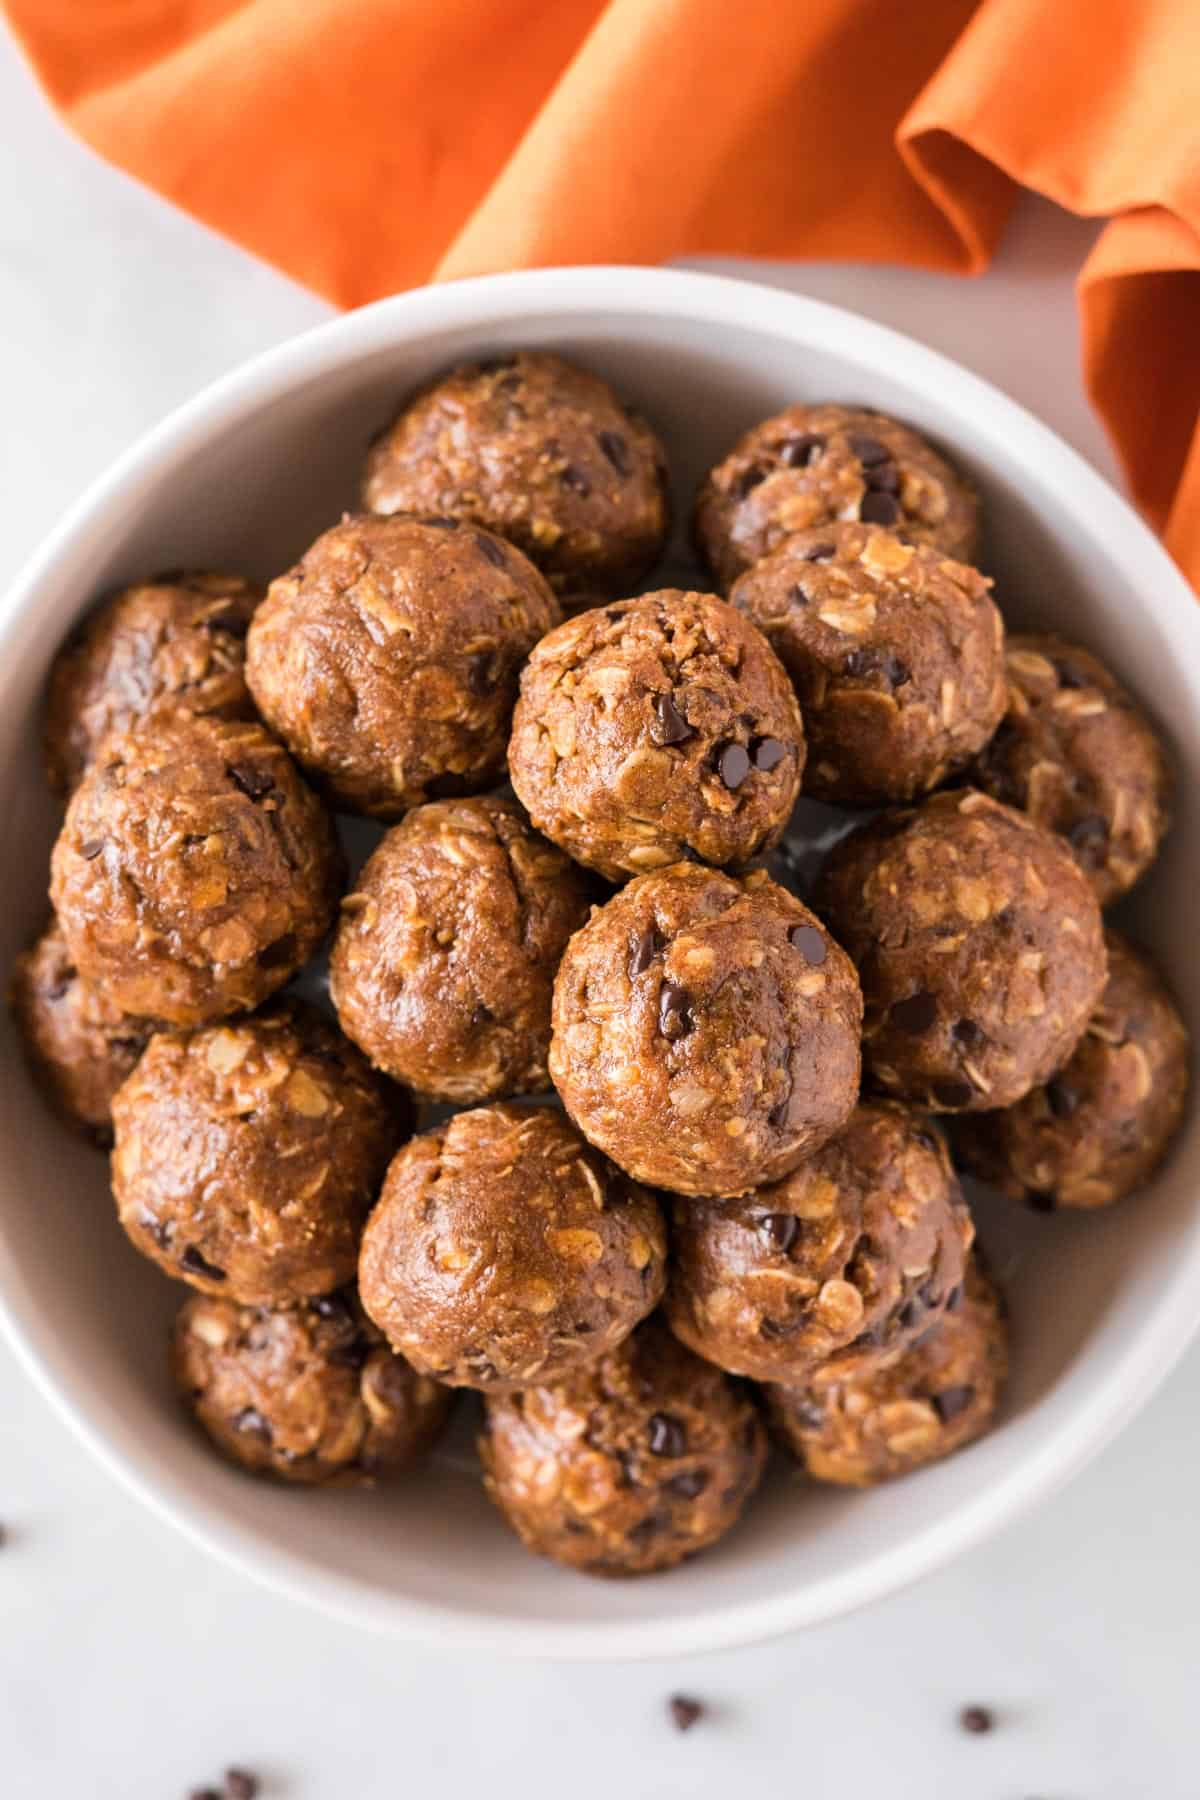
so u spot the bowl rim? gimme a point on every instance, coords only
(493, 302)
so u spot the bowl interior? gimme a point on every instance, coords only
(1099, 1304)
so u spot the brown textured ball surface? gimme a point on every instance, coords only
(706, 1031)
(863, 1246)
(1098, 1130)
(443, 964)
(311, 1395)
(865, 1425)
(656, 729)
(979, 945)
(195, 871)
(387, 658)
(248, 1154)
(896, 652)
(540, 451)
(1076, 754)
(80, 1046)
(628, 1465)
(176, 642)
(504, 1251)
(812, 465)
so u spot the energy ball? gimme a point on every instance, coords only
(195, 872)
(1100, 1127)
(443, 965)
(1076, 754)
(79, 1045)
(248, 1155)
(311, 1395)
(541, 452)
(628, 1465)
(504, 1251)
(387, 658)
(654, 730)
(814, 465)
(706, 1031)
(176, 642)
(979, 945)
(867, 1423)
(860, 1249)
(896, 652)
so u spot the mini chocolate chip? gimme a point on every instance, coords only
(254, 783)
(953, 1093)
(868, 450)
(857, 663)
(967, 1034)
(976, 1720)
(616, 450)
(690, 1484)
(440, 522)
(666, 1435)
(733, 765)
(1068, 675)
(492, 549)
(576, 480)
(1089, 833)
(878, 509)
(952, 1401)
(674, 1011)
(782, 1229)
(884, 478)
(798, 452)
(954, 1298)
(333, 1306)
(669, 725)
(896, 670)
(647, 1528)
(1062, 1098)
(481, 1015)
(251, 1421)
(91, 848)
(240, 1785)
(768, 752)
(810, 941)
(195, 1264)
(747, 481)
(481, 677)
(643, 952)
(1043, 1203)
(684, 1711)
(820, 552)
(916, 1014)
(614, 615)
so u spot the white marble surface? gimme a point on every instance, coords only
(134, 1668)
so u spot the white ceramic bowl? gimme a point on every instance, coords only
(245, 476)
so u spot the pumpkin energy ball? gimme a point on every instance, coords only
(541, 452)
(658, 729)
(706, 1031)
(1076, 754)
(312, 1394)
(1100, 1127)
(176, 642)
(979, 945)
(627, 1465)
(504, 1251)
(387, 658)
(195, 872)
(443, 964)
(248, 1155)
(861, 1248)
(814, 465)
(896, 652)
(80, 1046)
(863, 1424)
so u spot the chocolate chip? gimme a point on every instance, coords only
(884, 478)
(669, 725)
(643, 952)
(333, 1306)
(878, 509)
(976, 1720)
(195, 1264)
(820, 552)
(952, 1401)
(967, 1034)
(674, 1011)
(768, 752)
(481, 678)
(810, 941)
(614, 615)
(733, 765)
(91, 848)
(684, 1711)
(349, 1356)
(492, 549)
(666, 1435)
(908, 1315)
(1043, 1203)
(778, 1115)
(647, 1528)
(955, 1297)
(868, 450)
(1062, 1098)
(240, 1784)
(748, 480)
(576, 480)
(481, 1015)
(440, 522)
(857, 663)
(782, 1229)
(916, 1014)
(254, 783)
(953, 1093)
(798, 452)
(1089, 833)
(1068, 675)
(616, 450)
(690, 1484)
(251, 1421)
(278, 954)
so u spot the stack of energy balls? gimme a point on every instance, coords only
(711, 1204)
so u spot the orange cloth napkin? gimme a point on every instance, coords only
(368, 145)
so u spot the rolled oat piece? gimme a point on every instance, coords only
(387, 658)
(855, 1253)
(861, 1425)
(310, 1395)
(896, 652)
(706, 1031)
(248, 1155)
(814, 465)
(661, 728)
(1075, 752)
(627, 1465)
(195, 871)
(504, 1251)
(443, 965)
(979, 945)
(177, 643)
(1098, 1129)
(541, 452)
